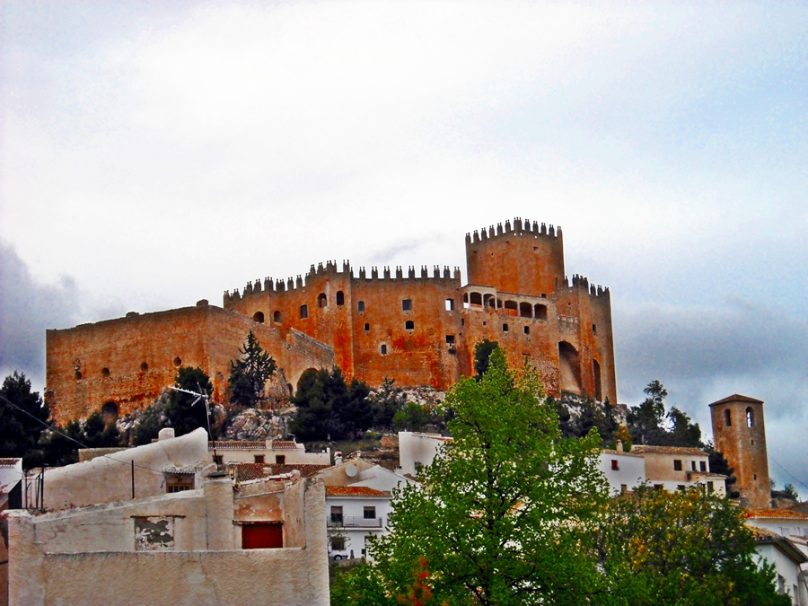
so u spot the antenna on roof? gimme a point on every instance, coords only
(204, 397)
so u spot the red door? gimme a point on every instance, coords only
(262, 535)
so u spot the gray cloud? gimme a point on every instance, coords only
(702, 354)
(28, 308)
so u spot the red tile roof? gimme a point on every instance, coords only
(671, 450)
(775, 514)
(283, 445)
(737, 398)
(354, 491)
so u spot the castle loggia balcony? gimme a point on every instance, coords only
(354, 522)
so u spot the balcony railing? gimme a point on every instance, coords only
(354, 522)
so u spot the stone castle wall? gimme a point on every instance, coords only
(417, 326)
(128, 361)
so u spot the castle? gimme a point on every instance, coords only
(414, 326)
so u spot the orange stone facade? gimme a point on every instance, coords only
(127, 362)
(418, 327)
(739, 433)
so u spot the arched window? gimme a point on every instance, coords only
(322, 300)
(511, 308)
(727, 418)
(525, 310)
(750, 418)
(258, 317)
(340, 298)
(475, 298)
(540, 311)
(304, 311)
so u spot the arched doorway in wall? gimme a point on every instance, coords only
(109, 411)
(598, 385)
(258, 317)
(569, 368)
(306, 379)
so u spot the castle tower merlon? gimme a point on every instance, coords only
(424, 272)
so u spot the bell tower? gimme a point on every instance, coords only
(740, 434)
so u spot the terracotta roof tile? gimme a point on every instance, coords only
(249, 471)
(672, 450)
(8, 462)
(305, 470)
(775, 513)
(737, 398)
(354, 491)
(283, 445)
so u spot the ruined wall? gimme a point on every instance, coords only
(129, 361)
(104, 565)
(742, 440)
(108, 479)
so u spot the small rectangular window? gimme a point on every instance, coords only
(337, 543)
(527, 330)
(360, 306)
(693, 465)
(259, 459)
(409, 325)
(504, 328)
(594, 329)
(450, 339)
(336, 514)
(710, 487)
(383, 349)
(280, 459)
(702, 465)
(406, 304)
(369, 512)
(367, 326)
(615, 464)
(677, 465)
(448, 304)
(304, 311)
(623, 488)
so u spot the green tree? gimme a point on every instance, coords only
(647, 425)
(413, 417)
(506, 512)
(249, 374)
(185, 412)
(683, 548)
(328, 408)
(96, 433)
(482, 352)
(23, 417)
(386, 402)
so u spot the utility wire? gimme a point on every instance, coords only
(64, 435)
(793, 477)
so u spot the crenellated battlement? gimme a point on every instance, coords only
(411, 273)
(582, 283)
(519, 227)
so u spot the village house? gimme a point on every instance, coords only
(679, 468)
(266, 452)
(416, 449)
(208, 540)
(624, 471)
(358, 502)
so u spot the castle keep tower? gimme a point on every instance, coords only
(740, 434)
(520, 258)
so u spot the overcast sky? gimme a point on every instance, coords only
(153, 154)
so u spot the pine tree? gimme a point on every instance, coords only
(249, 374)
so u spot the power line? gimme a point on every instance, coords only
(72, 439)
(793, 477)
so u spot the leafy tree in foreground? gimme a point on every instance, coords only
(19, 432)
(249, 374)
(683, 548)
(505, 514)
